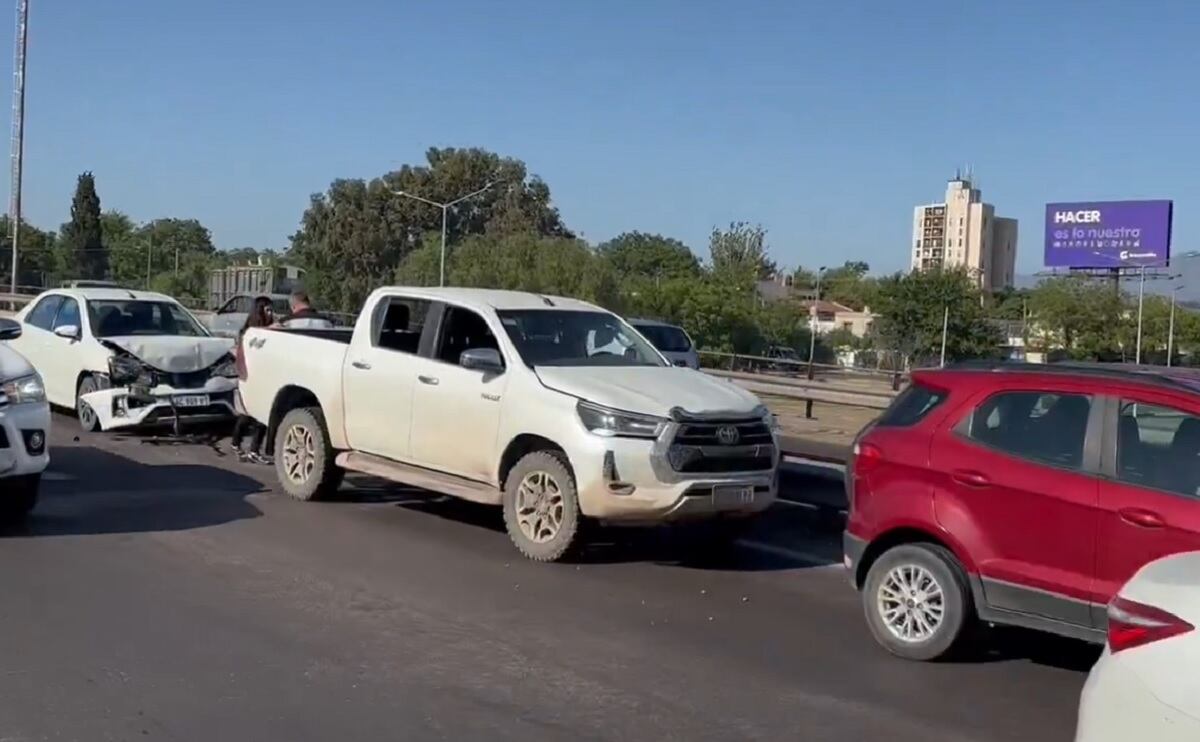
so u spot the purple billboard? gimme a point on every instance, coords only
(1108, 234)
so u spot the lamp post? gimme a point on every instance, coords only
(1171, 323)
(445, 209)
(812, 324)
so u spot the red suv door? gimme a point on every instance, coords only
(1016, 482)
(1150, 500)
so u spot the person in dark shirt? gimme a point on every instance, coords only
(302, 314)
(261, 316)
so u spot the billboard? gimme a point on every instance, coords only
(1108, 234)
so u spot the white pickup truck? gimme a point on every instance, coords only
(553, 408)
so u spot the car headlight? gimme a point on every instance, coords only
(124, 370)
(24, 389)
(616, 424)
(226, 367)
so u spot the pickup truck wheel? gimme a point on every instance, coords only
(18, 496)
(917, 601)
(303, 457)
(87, 416)
(541, 507)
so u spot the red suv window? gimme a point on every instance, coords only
(913, 404)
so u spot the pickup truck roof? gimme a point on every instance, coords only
(491, 298)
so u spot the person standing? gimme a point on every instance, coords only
(303, 315)
(260, 316)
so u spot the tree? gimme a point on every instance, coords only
(742, 248)
(181, 253)
(1078, 315)
(912, 307)
(651, 256)
(126, 251)
(849, 285)
(354, 236)
(522, 262)
(83, 254)
(36, 259)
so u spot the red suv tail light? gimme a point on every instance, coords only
(866, 457)
(1132, 624)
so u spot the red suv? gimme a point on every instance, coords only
(1019, 494)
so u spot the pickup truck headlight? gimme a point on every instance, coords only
(616, 424)
(24, 389)
(769, 419)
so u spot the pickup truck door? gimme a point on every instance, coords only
(378, 378)
(456, 410)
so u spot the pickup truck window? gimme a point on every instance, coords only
(560, 337)
(401, 323)
(463, 330)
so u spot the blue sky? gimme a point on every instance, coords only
(826, 122)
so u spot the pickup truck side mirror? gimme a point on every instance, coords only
(9, 329)
(71, 332)
(482, 359)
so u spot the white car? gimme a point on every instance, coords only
(552, 408)
(126, 358)
(24, 429)
(1146, 685)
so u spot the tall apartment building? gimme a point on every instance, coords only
(965, 231)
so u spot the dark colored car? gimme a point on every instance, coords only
(1019, 494)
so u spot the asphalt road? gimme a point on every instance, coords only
(167, 592)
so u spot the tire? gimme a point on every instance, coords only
(548, 528)
(18, 497)
(923, 567)
(88, 420)
(304, 459)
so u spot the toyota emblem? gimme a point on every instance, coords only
(728, 435)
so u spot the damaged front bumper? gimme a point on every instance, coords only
(141, 406)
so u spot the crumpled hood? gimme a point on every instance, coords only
(174, 353)
(12, 364)
(650, 390)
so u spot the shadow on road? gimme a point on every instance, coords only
(1008, 644)
(770, 544)
(98, 492)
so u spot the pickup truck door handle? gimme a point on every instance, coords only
(1141, 517)
(970, 478)
(361, 365)
(430, 380)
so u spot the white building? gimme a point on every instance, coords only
(965, 231)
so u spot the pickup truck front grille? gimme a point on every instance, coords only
(724, 433)
(722, 447)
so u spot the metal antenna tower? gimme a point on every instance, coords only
(17, 152)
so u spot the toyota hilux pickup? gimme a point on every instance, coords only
(551, 408)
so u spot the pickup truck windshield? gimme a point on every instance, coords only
(559, 337)
(120, 318)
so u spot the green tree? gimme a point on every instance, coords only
(911, 310)
(652, 256)
(35, 260)
(82, 250)
(741, 249)
(521, 262)
(849, 285)
(353, 237)
(1081, 316)
(126, 250)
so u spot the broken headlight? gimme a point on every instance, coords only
(226, 367)
(124, 370)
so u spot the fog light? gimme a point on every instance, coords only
(35, 441)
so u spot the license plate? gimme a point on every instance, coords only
(733, 496)
(191, 400)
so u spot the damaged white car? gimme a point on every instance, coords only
(125, 358)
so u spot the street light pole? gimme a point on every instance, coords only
(445, 207)
(812, 324)
(1141, 296)
(1171, 326)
